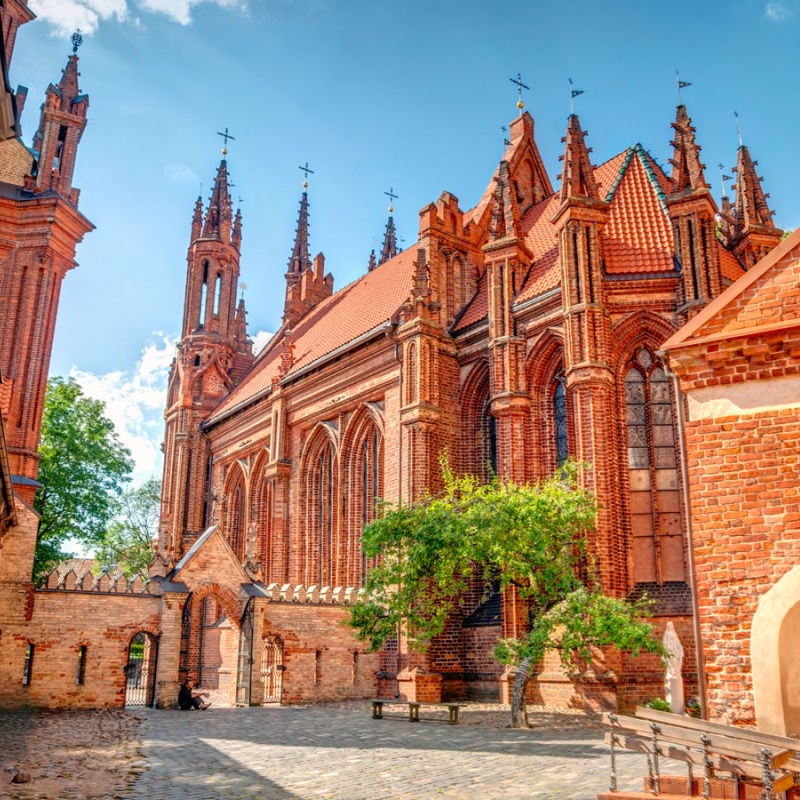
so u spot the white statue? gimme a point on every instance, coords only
(673, 681)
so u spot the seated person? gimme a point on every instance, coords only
(190, 698)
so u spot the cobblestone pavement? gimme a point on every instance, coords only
(338, 752)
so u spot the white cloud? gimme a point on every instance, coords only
(260, 338)
(135, 403)
(778, 12)
(65, 16)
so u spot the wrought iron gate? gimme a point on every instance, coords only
(272, 669)
(244, 672)
(140, 670)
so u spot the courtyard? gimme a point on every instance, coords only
(333, 751)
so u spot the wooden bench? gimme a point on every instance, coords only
(413, 709)
(755, 764)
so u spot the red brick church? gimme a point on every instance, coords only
(516, 334)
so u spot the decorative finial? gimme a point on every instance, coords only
(573, 93)
(77, 40)
(392, 197)
(242, 287)
(306, 172)
(738, 128)
(520, 86)
(226, 136)
(681, 85)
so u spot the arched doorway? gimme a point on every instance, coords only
(140, 670)
(272, 669)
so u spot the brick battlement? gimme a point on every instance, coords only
(73, 580)
(325, 595)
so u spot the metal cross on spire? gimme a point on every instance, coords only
(392, 197)
(681, 85)
(738, 128)
(520, 86)
(573, 93)
(226, 136)
(306, 172)
(77, 40)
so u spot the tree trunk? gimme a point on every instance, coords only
(519, 714)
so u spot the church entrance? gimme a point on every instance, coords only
(272, 669)
(140, 670)
(245, 668)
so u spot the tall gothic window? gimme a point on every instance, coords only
(325, 516)
(236, 519)
(560, 429)
(320, 507)
(371, 486)
(656, 526)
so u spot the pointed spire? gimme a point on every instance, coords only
(197, 219)
(218, 215)
(372, 262)
(299, 261)
(577, 178)
(389, 249)
(504, 207)
(751, 207)
(687, 169)
(236, 236)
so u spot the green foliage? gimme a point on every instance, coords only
(82, 470)
(531, 536)
(128, 541)
(658, 704)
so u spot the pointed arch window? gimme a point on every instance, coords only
(201, 312)
(217, 294)
(560, 429)
(236, 519)
(371, 473)
(656, 524)
(324, 497)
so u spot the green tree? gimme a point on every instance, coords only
(530, 536)
(128, 541)
(83, 467)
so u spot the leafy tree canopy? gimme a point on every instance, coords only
(531, 536)
(128, 541)
(83, 468)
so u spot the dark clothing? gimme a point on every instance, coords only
(185, 699)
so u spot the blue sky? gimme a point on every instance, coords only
(373, 95)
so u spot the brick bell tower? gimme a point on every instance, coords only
(40, 227)
(213, 354)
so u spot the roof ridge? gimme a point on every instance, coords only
(645, 160)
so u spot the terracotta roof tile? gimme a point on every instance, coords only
(341, 318)
(638, 236)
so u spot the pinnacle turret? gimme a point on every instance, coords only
(577, 178)
(687, 169)
(299, 260)
(217, 222)
(389, 249)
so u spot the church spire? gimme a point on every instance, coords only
(217, 222)
(754, 233)
(61, 124)
(389, 249)
(299, 260)
(577, 178)
(687, 169)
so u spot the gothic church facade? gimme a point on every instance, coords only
(512, 336)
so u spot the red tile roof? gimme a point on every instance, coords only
(338, 320)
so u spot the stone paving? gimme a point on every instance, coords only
(338, 752)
